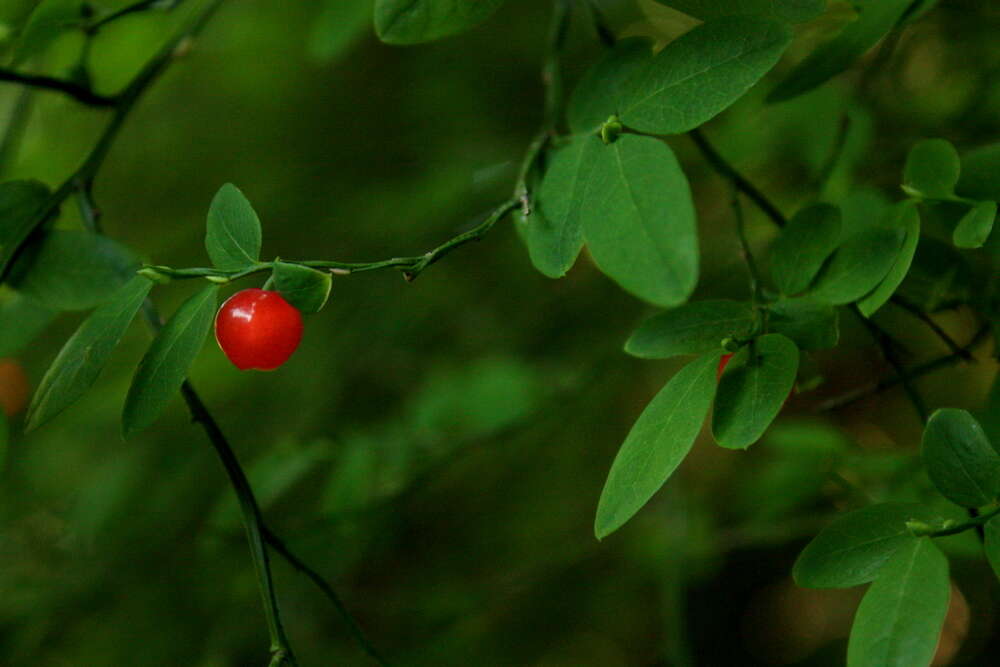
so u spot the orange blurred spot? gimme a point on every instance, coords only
(13, 387)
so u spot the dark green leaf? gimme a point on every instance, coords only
(338, 26)
(852, 549)
(638, 218)
(808, 239)
(692, 328)
(701, 73)
(165, 364)
(905, 216)
(49, 19)
(975, 227)
(939, 276)
(901, 615)
(959, 458)
(84, 355)
(415, 21)
(932, 169)
(21, 320)
(811, 325)
(875, 19)
(755, 385)
(597, 96)
(306, 289)
(658, 442)
(858, 266)
(72, 269)
(554, 231)
(4, 437)
(793, 11)
(22, 203)
(980, 174)
(992, 544)
(232, 238)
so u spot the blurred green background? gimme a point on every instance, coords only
(436, 449)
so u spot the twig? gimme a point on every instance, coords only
(78, 92)
(912, 309)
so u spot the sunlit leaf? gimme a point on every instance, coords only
(232, 236)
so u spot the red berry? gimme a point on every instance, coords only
(258, 329)
(722, 366)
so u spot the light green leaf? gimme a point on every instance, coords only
(808, 239)
(932, 169)
(22, 203)
(975, 226)
(899, 621)
(855, 546)
(554, 231)
(792, 11)
(991, 544)
(658, 442)
(72, 269)
(339, 25)
(701, 73)
(755, 385)
(959, 458)
(598, 94)
(49, 19)
(233, 232)
(875, 19)
(21, 320)
(905, 216)
(415, 21)
(306, 289)
(80, 361)
(638, 218)
(692, 328)
(858, 266)
(165, 364)
(811, 325)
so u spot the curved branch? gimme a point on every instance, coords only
(78, 92)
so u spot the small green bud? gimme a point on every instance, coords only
(218, 280)
(154, 275)
(611, 129)
(730, 344)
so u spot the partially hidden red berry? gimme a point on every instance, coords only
(257, 329)
(722, 366)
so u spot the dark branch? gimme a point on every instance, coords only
(78, 92)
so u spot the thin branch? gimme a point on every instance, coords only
(889, 354)
(78, 92)
(755, 283)
(914, 310)
(604, 32)
(140, 6)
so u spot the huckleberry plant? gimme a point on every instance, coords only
(607, 171)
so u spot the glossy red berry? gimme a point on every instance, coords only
(722, 366)
(258, 329)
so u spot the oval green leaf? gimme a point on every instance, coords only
(598, 94)
(49, 19)
(793, 11)
(932, 169)
(165, 364)
(232, 237)
(638, 218)
(22, 204)
(306, 289)
(899, 620)
(415, 21)
(692, 328)
(553, 231)
(852, 549)
(751, 392)
(905, 216)
(811, 325)
(700, 74)
(975, 226)
(959, 458)
(805, 243)
(81, 359)
(858, 266)
(658, 442)
(980, 173)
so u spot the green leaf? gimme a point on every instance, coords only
(597, 96)
(79, 363)
(905, 216)
(792, 11)
(932, 169)
(415, 21)
(858, 266)
(22, 203)
(638, 218)
(808, 239)
(21, 320)
(232, 238)
(875, 19)
(991, 544)
(959, 458)
(72, 269)
(852, 549)
(752, 390)
(900, 618)
(306, 289)
(980, 173)
(701, 73)
(165, 364)
(658, 442)
(339, 25)
(692, 328)
(49, 19)
(811, 325)
(975, 226)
